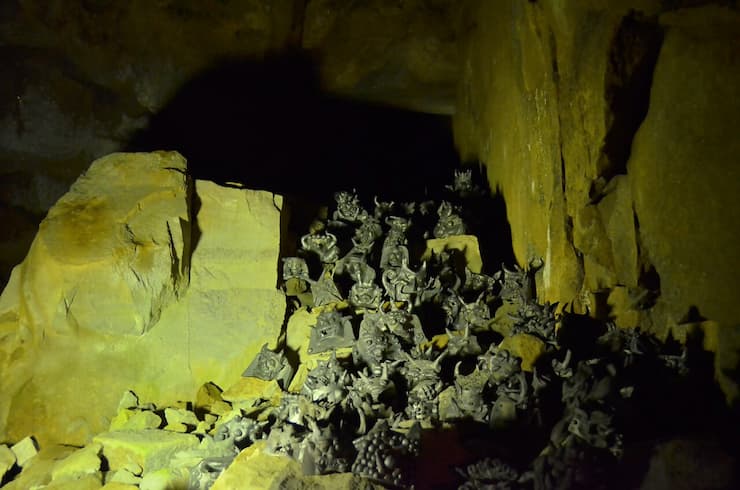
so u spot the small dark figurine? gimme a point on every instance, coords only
(402, 284)
(474, 315)
(322, 244)
(269, 365)
(349, 208)
(382, 208)
(295, 268)
(332, 331)
(348, 414)
(450, 223)
(397, 233)
(326, 383)
(489, 474)
(468, 401)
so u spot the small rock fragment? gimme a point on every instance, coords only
(526, 347)
(123, 476)
(209, 400)
(149, 449)
(135, 420)
(83, 462)
(180, 420)
(128, 400)
(165, 478)
(119, 486)
(86, 482)
(24, 450)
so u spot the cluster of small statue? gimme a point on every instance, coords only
(424, 357)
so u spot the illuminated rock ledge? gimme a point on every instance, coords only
(130, 285)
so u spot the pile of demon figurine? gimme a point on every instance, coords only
(424, 357)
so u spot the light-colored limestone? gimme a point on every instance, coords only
(686, 192)
(253, 468)
(135, 420)
(122, 476)
(84, 482)
(249, 391)
(24, 450)
(685, 176)
(507, 117)
(467, 244)
(120, 486)
(165, 479)
(83, 462)
(526, 347)
(180, 420)
(72, 367)
(149, 449)
(208, 399)
(113, 252)
(550, 97)
(38, 470)
(128, 400)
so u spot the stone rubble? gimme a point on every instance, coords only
(376, 380)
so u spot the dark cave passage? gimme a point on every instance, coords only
(267, 124)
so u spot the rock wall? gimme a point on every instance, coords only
(611, 132)
(139, 279)
(82, 77)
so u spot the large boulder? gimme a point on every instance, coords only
(138, 279)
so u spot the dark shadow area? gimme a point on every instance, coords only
(489, 222)
(629, 77)
(268, 125)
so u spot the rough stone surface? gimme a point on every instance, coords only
(25, 450)
(84, 482)
(63, 366)
(467, 244)
(83, 462)
(526, 347)
(164, 479)
(149, 449)
(119, 486)
(209, 400)
(686, 190)
(83, 77)
(129, 419)
(253, 468)
(510, 122)
(610, 130)
(178, 420)
(38, 471)
(402, 53)
(113, 252)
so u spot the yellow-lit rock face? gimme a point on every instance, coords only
(611, 131)
(102, 304)
(467, 244)
(38, 472)
(684, 169)
(526, 347)
(253, 468)
(149, 450)
(113, 252)
(507, 117)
